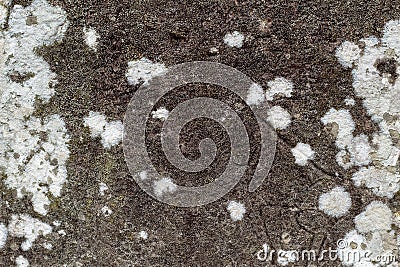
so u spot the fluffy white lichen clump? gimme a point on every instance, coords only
(29, 228)
(348, 53)
(336, 202)
(278, 117)
(111, 133)
(164, 185)
(236, 210)
(234, 39)
(255, 95)
(302, 153)
(4, 5)
(279, 86)
(143, 70)
(33, 151)
(91, 37)
(161, 113)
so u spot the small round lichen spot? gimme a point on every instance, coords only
(20, 261)
(335, 203)
(348, 53)
(234, 39)
(255, 95)
(112, 135)
(143, 235)
(164, 185)
(161, 114)
(91, 38)
(279, 86)
(106, 211)
(143, 70)
(302, 153)
(279, 118)
(236, 210)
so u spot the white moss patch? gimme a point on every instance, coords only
(143, 70)
(33, 151)
(161, 113)
(3, 235)
(335, 203)
(29, 228)
(111, 133)
(279, 87)
(164, 185)
(234, 39)
(20, 261)
(302, 153)
(348, 53)
(91, 38)
(279, 118)
(236, 210)
(255, 95)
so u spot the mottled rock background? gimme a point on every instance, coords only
(293, 39)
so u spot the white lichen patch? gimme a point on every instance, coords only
(382, 182)
(164, 185)
(4, 6)
(29, 228)
(96, 123)
(102, 188)
(348, 53)
(161, 114)
(143, 70)
(236, 210)
(377, 216)
(374, 235)
(255, 95)
(335, 203)
(348, 101)
(33, 151)
(111, 133)
(106, 211)
(143, 235)
(20, 261)
(302, 153)
(234, 39)
(279, 87)
(375, 71)
(3, 235)
(353, 151)
(279, 118)
(91, 38)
